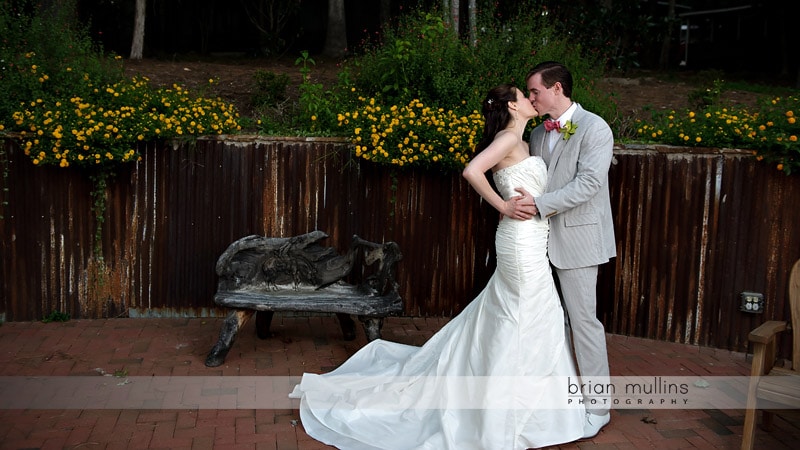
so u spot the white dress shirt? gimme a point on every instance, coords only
(554, 135)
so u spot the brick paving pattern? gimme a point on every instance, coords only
(178, 347)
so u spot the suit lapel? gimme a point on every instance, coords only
(537, 144)
(558, 148)
(544, 149)
(562, 145)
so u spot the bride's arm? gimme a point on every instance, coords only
(475, 172)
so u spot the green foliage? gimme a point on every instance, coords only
(315, 112)
(270, 88)
(271, 103)
(418, 59)
(703, 97)
(759, 88)
(778, 133)
(56, 316)
(316, 105)
(421, 89)
(46, 55)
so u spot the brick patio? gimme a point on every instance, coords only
(178, 347)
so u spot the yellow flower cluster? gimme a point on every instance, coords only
(103, 127)
(771, 132)
(414, 134)
(719, 127)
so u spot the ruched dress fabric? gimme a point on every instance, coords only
(494, 377)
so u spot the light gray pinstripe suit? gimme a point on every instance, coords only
(577, 203)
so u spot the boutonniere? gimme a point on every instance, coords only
(568, 129)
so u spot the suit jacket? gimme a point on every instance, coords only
(576, 199)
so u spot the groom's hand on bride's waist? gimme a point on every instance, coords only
(524, 205)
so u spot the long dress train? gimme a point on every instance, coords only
(494, 377)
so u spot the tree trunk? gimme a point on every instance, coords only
(663, 61)
(473, 23)
(455, 13)
(446, 11)
(138, 30)
(336, 36)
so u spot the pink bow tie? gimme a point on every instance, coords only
(551, 125)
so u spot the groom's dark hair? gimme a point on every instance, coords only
(553, 72)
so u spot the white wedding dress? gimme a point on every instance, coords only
(493, 378)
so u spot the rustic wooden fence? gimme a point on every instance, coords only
(695, 228)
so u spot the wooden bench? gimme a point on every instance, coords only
(262, 275)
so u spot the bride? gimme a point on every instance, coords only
(496, 376)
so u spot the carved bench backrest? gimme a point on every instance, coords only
(386, 257)
(259, 262)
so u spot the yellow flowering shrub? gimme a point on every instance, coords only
(103, 127)
(771, 131)
(411, 135)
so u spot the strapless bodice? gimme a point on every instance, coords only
(530, 174)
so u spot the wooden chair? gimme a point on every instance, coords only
(774, 387)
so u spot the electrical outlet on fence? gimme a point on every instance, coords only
(752, 302)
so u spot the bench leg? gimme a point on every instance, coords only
(348, 326)
(263, 322)
(227, 335)
(372, 327)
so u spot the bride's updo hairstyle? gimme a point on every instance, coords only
(495, 113)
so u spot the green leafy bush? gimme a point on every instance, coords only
(703, 97)
(46, 55)
(270, 88)
(421, 58)
(56, 316)
(315, 112)
(421, 88)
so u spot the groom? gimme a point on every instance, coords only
(577, 149)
